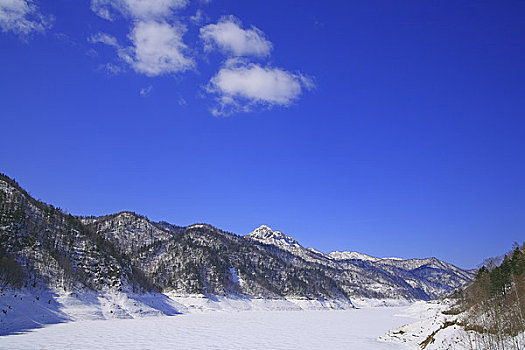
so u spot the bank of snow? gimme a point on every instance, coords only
(199, 303)
(25, 310)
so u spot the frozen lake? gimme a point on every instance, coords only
(351, 329)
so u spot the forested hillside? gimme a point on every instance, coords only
(493, 306)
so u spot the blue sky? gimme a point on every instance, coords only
(393, 128)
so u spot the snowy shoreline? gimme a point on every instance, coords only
(23, 310)
(434, 329)
(256, 329)
(29, 312)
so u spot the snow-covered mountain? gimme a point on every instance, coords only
(266, 235)
(40, 245)
(365, 276)
(351, 256)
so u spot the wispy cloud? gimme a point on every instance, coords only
(198, 17)
(146, 91)
(104, 38)
(241, 86)
(22, 17)
(112, 69)
(136, 9)
(230, 38)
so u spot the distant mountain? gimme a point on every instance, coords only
(264, 234)
(364, 276)
(352, 256)
(40, 245)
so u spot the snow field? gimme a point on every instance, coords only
(344, 329)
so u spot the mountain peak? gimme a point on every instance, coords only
(265, 234)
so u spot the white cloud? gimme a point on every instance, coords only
(137, 9)
(229, 37)
(157, 46)
(157, 49)
(22, 17)
(104, 38)
(239, 86)
(145, 91)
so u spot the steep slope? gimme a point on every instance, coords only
(41, 245)
(203, 259)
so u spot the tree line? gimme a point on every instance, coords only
(493, 305)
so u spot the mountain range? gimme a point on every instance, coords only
(42, 246)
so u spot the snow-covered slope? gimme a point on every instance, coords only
(351, 255)
(437, 328)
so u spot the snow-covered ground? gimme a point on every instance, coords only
(429, 318)
(91, 320)
(435, 330)
(29, 309)
(319, 329)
